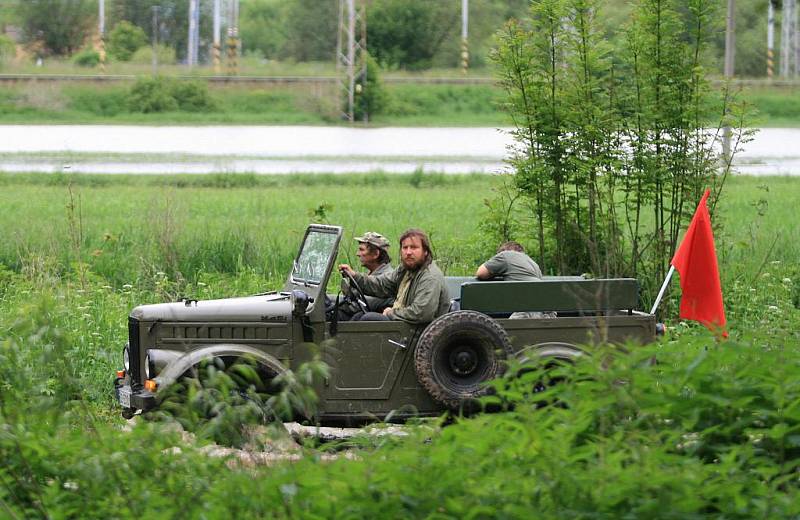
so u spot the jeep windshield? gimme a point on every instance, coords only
(311, 265)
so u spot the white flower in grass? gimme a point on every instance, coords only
(787, 281)
(773, 308)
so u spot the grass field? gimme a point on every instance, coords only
(712, 429)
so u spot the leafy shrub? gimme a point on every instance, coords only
(371, 99)
(193, 96)
(125, 39)
(163, 94)
(87, 58)
(150, 95)
(144, 55)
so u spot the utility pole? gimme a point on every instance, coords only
(770, 40)
(796, 40)
(233, 37)
(194, 33)
(215, 52)
(156, 30)
(730, 51)
(788, 38)
(351, 62)
(464, 35)
(101, 30)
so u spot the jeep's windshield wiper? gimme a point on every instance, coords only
(296, 270)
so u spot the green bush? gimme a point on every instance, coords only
(87, 58)
(164, 94)
(193, 96)
(371, 99)
(124, 40)
(149, 95)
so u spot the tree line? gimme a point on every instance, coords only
(402, 34)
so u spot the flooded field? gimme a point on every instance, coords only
(293, 149)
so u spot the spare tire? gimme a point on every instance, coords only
(458, 353)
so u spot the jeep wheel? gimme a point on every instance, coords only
(457, 354)
(219, 397)
(548, 360)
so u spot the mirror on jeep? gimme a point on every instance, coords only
(313, 260)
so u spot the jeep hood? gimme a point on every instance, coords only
(266, 307)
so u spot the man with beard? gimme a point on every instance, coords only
(374, 256)
(417, 286)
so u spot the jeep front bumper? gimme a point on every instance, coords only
(132, 399)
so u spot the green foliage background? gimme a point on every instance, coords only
(708, 429)
(302, 30)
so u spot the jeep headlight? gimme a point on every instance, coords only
(126, 358)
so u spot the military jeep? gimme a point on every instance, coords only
(383, 367)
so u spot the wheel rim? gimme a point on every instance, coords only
(465, 362)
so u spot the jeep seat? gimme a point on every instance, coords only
(547, 295)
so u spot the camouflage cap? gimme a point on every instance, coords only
(376, 239)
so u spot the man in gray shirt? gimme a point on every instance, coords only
(509, 264)
(512, 264)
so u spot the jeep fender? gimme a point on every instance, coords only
(555, 349)
(176, 368)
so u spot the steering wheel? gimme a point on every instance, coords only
(360, 297)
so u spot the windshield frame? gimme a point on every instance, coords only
(312, 287)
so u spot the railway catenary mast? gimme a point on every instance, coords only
(351, 54)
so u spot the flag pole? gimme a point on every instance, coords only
(663, 288)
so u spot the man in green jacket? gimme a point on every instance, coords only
(417, 285)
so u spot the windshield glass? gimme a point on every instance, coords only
(317, 250)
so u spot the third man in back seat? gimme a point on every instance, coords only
(512, 264)
(509, 264)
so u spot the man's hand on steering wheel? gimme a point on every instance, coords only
(359, 296)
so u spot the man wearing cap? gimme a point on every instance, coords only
(417, 285)
(374, 256)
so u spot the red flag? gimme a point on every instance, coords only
(696, 261)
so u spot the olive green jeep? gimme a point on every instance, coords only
(382, 367)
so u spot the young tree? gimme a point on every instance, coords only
(264, 27)
(408, 33)
(62, 26)
(613, 147)
(125, 39)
